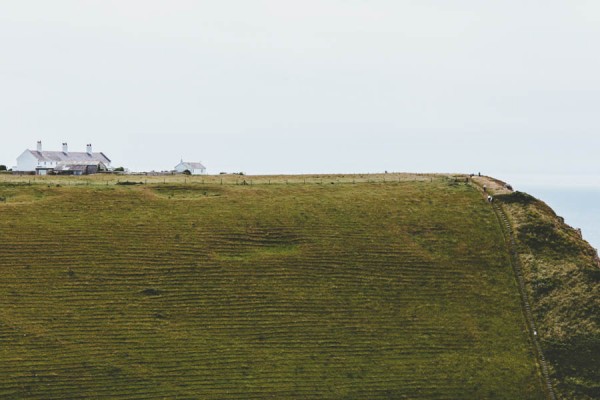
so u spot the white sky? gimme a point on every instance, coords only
(281, 86)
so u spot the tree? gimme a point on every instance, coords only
(2, 167)
(119, 169)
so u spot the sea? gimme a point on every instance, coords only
(576, 198)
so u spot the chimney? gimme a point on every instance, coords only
(89, 149)
(39, 145)
(65, 148)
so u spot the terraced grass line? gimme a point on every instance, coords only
(390, 290)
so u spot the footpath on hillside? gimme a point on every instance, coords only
(559, 278)
(493, 187)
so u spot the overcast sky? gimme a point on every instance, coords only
(278, 86)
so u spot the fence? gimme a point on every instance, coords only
(229, 179)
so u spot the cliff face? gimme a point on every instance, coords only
(562, 280)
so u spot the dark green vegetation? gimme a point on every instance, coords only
(342, 291)
(562, 272)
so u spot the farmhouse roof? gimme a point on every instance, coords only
(194, 165)
(71, 156)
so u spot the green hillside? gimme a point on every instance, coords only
(324, 289)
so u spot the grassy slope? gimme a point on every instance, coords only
(562, 273)
(396, 290)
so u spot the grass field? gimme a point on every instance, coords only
(391, 287)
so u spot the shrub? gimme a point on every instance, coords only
(126, 183)
(542, 236)
(516, 197)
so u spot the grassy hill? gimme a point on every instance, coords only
(355, 287)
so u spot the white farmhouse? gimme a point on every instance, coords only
(65, 162)
(195, 168)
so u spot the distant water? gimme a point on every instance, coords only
(576, 199)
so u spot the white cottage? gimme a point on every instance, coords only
(74, 163)
(195, 168)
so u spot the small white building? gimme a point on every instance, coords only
(44, 162)
(195, 168)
